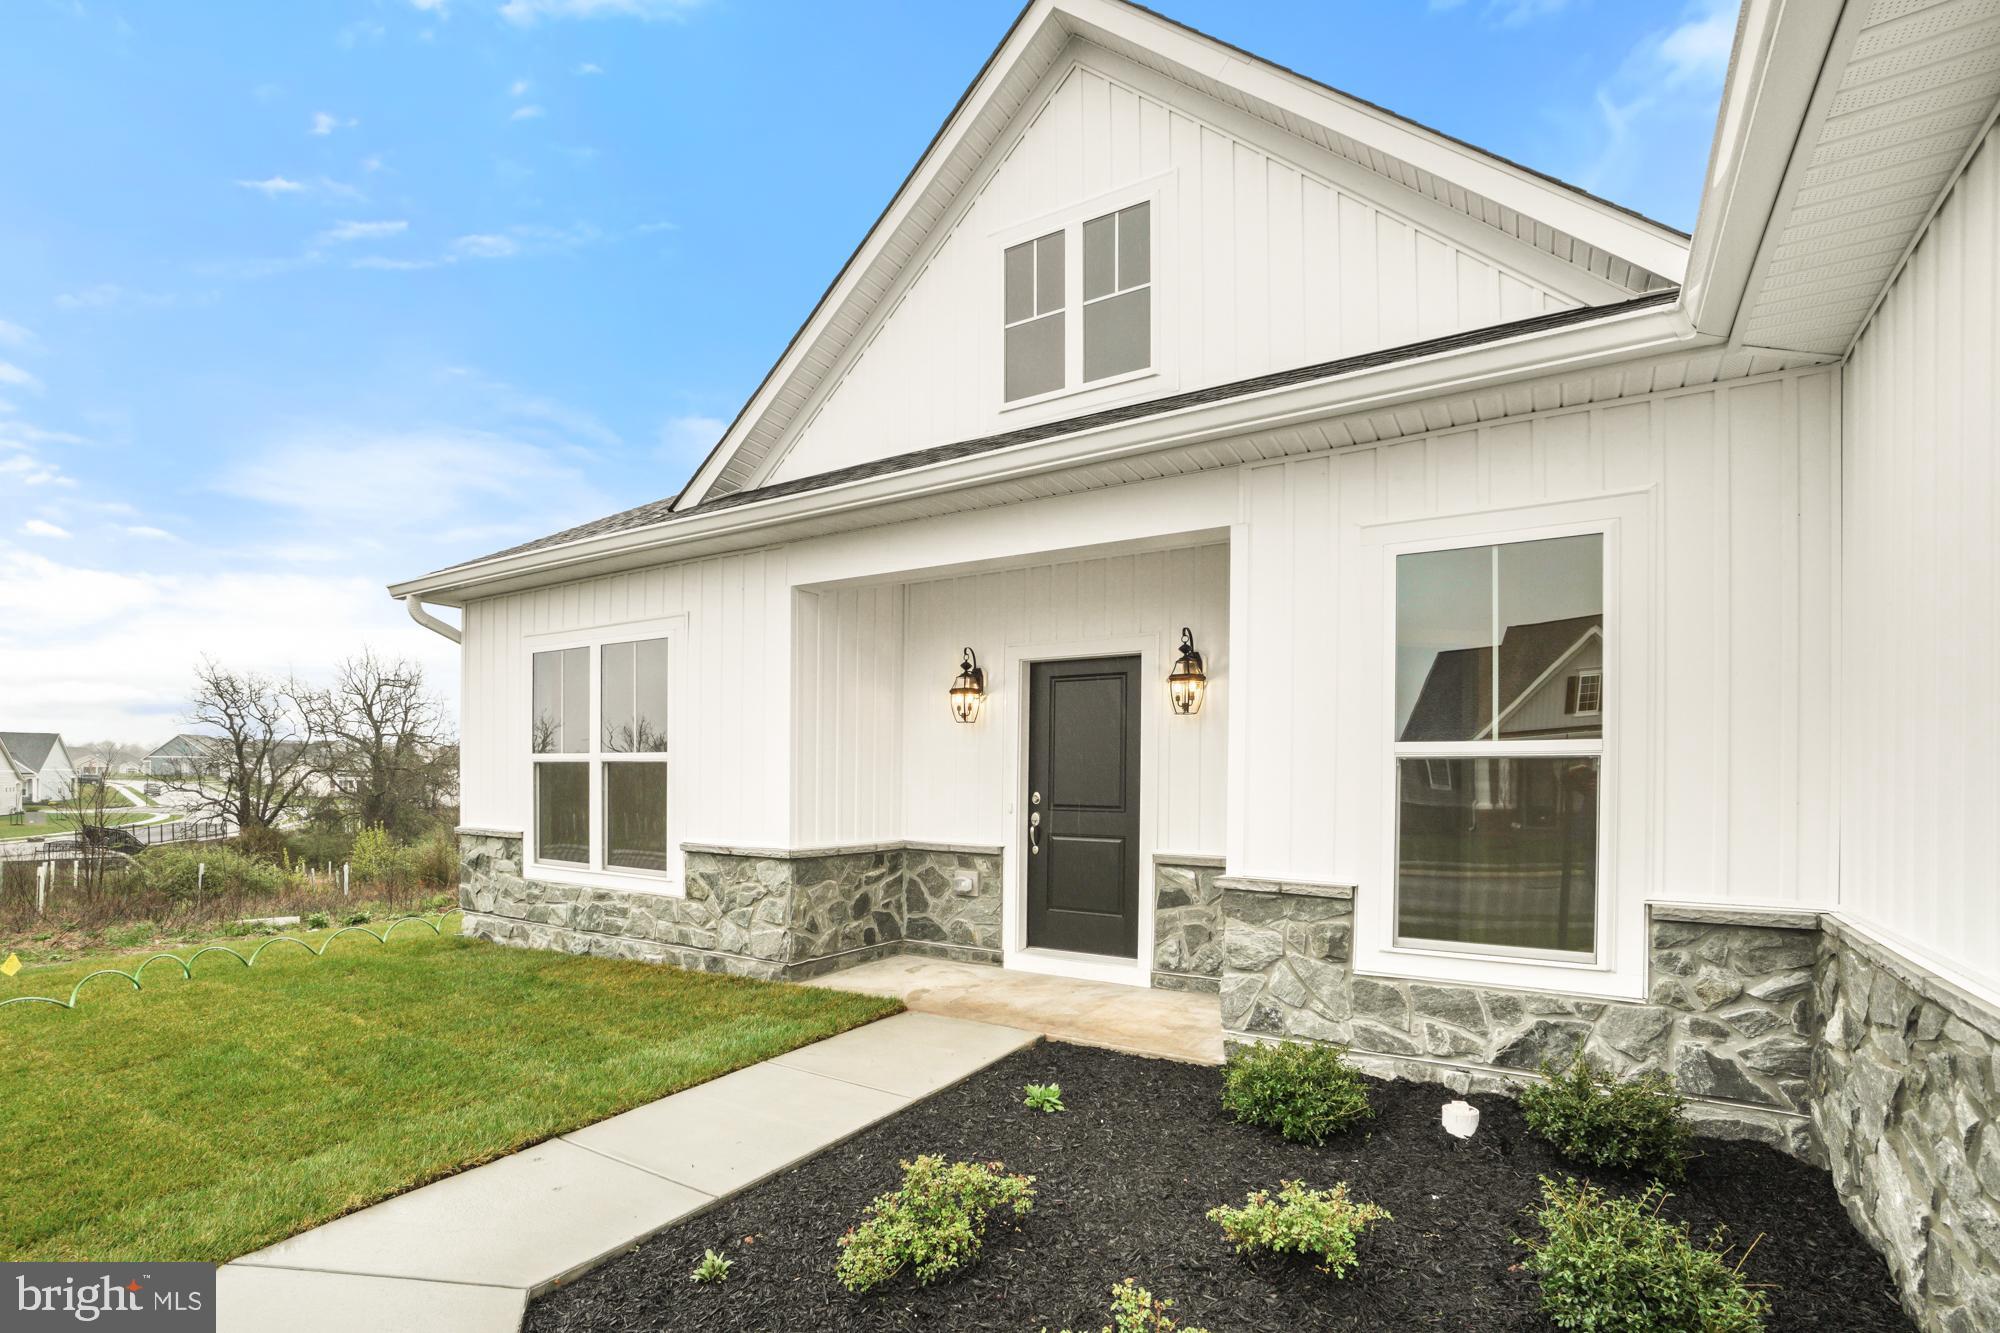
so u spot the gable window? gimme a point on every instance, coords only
(1078, 305)
(1491, 641)
(599, 737)
(1035, 321)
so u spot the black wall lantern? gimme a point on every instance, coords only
(968, 689)
(1189, 682)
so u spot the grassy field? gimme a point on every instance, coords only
(58, 824)
(203, 1119)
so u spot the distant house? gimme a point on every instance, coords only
(43, 757)
(13, 783)
(185, 756)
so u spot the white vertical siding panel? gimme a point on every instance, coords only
(1757, 560)
(1919, 622)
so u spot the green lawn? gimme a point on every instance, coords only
(203, 1119)
(57, 824)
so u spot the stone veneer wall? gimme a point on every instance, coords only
(1727, 1017)
(1187, 923)
(759, 913)
(1905, 1095)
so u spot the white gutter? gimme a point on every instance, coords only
(429, 621)
(1651, 331)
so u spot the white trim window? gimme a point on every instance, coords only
(1502, 857)
(1586, 694)
(1077, 305)
(599, 740)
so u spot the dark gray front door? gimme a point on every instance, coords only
(1083, 806)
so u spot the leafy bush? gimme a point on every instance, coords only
(357, 918)
(712, 1268)
(378, 859)
(1135, 1310)
(265, 844)
(1044, 1097)
(174, 871)
(1305, 1092)
(1612, 1265)
(433, 860)
(320, 845)
(1594, 1117)
(438, 902)
(1325, 1224)
(317, 921)
(934, 1224)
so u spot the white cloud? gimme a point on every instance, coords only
(527, 12)
(13, 374)
(529, 112)
(325, 122)
(104, 295)
(488, 245)
(371, 163)
(342, 232)
(273, 186)
(1700, 47)
(688, 438)
(389, 265)
(519, 88)
(147, 533)
(27, 470)
(13, 335)
(587, 67)
(438, 7)
(36, 527)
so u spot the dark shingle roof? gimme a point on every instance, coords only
(1454, 705)
(662, 511)
(30, 748)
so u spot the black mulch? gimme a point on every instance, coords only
(1124, 1180)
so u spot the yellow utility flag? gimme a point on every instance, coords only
(12, 965)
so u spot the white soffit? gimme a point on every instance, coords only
(1623, 248)
(1909, 90)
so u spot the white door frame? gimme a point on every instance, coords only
(1014, 703)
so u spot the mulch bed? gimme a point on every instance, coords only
(1124, 1180)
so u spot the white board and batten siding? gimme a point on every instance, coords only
(879, 755)
(1723, 762)
(1261, 262)
(1921, 624)
(732, 663)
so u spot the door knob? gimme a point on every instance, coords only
(1034, 823)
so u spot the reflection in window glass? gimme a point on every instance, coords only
(561, 688)
(635, 816)
(1444, 636)
(1501, 855)
(562, 812)
(634, 704)
(1550, 616)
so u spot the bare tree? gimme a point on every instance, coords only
(264, 750)
(388, 742)
(87, 809)
(116, 756)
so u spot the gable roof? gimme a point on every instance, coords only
(1455, 702)
(1620, 245)
(186, 744)
(31, 748)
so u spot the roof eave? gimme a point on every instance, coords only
(1619, 335)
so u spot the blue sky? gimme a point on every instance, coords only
(300, 298)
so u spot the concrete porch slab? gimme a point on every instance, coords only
(524, 1221)
(1172, 1025)
(256, 1300)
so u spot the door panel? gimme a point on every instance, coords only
(1083, 783)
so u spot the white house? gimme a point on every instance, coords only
(1164, 345)
(13, 782)
(45, 759)
(185, 755)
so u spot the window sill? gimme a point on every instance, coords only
(662, 886)
(1077, 390)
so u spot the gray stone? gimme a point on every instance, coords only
(1701, 1072)
(1553, 1040)
(1451, 1004)
(1636, 1030)
(1381, 1003)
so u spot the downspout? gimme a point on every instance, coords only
(429, 621)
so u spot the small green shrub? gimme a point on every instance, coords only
(1136, 1310)
(1044, 1097)
(1324, 1224)
(433, 860)
(1612, 1265)
(1305, 1092)
(439, 902)
(175, 871)
(317, 921)
(712, 1268)
(378, 859)
(264, 844)
(1596, 1118)
(320, 845)
(358, 918)
(933, 1225)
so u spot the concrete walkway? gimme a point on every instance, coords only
(465, 1254)
(1174, 1025)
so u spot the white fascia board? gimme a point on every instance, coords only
(1656, 248)
(1782, 51)
(1631, 335)
(1026, 29)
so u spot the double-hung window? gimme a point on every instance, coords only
(1069, 325)
(600, 741)
(1498, 649)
